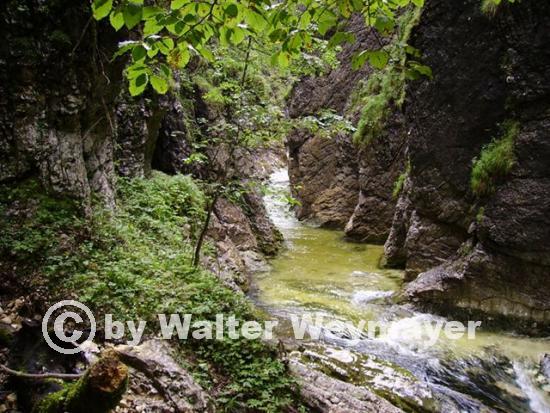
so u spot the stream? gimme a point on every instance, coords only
(320, 275)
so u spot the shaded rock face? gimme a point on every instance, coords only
(486, 70)
(242, 232)
(380, 164)
(340, 184)
(57, 92)
(138, 125)
(323, 176)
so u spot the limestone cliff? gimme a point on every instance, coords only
(482, 254)
(485, 253)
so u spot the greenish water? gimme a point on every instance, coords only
(319, 273)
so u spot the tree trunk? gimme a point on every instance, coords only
(204, 230)
(98, 391)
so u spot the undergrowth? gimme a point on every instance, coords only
(495, 161)
(136, 262)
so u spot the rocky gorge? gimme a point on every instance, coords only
(104, 196)
(463, 253)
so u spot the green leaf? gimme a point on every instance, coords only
(384, 23)
(421, 69)
(153, 51)
(151, 27)
(159, 84)
(282, 59)
(166, 71)
(305, 20)
(232, 10)
(358, 60)
(101, 8)
(418, 3)
(225, 35)
(165, 45)
(237, 35)
(136, 70)
(180, 56)
(139, 53)
(132, 14)
(178, 4)
(378, 59)
(207, 54)
(124, 48)
(116, 19)
(151, 11)
(326, 21)
(341, 37)
(138, 84)
(255, 20)
(278, 34)
(294, 43)
(413, 51)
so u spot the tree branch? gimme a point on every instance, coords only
(44, 376)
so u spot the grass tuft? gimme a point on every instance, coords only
(495, 161)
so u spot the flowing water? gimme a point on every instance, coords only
(338, 284)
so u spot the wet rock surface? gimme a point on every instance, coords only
(380, 164)
(329, 395)
(323, 173)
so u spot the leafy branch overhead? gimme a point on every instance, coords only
(173, 32)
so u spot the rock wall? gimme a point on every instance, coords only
(465, 254)
(57, 93)
(66, 117)
(487, 69)
(341, 184)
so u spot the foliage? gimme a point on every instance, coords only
(480, 214)
(136, 262)
(400, 182)
(173, 33)
(246, 95)
(386, 88)
(318, 60)
(490, 7)
(325, 124)
(495, 160)
(32, 230)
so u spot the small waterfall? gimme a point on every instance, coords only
(538, 401)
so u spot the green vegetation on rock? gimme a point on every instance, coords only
(400, 181)
(385, 89)
(490, 7)
(495, 160)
